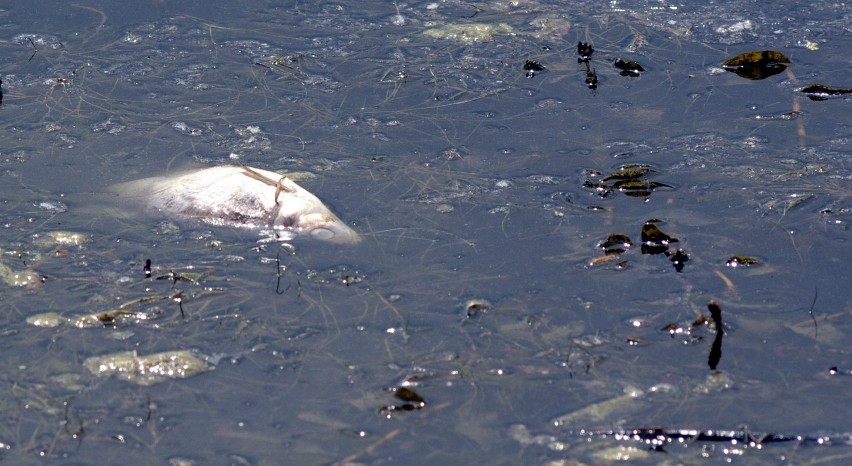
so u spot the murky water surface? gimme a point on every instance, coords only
(479, 320)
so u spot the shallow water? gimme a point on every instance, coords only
(466, 179)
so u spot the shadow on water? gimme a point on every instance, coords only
(510, 302)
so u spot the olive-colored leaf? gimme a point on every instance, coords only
(760, 58)
(628, 173)
(741, 261)
(409, 395)
(757, 65)
(653, 236)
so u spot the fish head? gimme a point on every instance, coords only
(325, 227)
(300, 212)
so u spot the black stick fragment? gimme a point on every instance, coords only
(716, 349)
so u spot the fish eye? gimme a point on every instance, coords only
(322, 233)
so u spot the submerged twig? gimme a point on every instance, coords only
(278, 273)
(35, 49)
(811, 313)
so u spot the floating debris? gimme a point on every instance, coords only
(820, 92)
(147, 370)
(60, 238)
(654, 241)
(638, 188)
(103, 319)
(608, 258)
(285, 64)
(474, 307)
(741, 261)
(585, 50)
(657, 439)
(469, 33)
(412, 401)
(786, 116)
(686, 331)
(678, 259)
(716, 349)
(757, 65)
(784, 204)
(629, 172)
(808, 170)
(598, 412)
(629, 68)
(20, 278)
(613, 246)
(241, 197)
(630, 179)
(616, 243)
(532, 67)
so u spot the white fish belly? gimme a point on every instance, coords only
(241, 197)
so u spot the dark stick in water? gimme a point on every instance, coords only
(716, 349)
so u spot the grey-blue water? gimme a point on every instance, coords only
(482, 191)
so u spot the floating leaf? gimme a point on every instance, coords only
(616, 240)
(412, 401)
(629, 172)
(476, 306)
(654, 241)
(408, 395)
(757, 65)
(584, 50)
(629, 179)
(700, 320)
(822, 92)
(600, 188)
(531, 67)
(741, 261)
(678, 259)
(629, 68)
(635, 185)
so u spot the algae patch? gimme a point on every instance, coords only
(147, 370)
(469, 33)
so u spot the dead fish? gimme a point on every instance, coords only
(242, 197)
